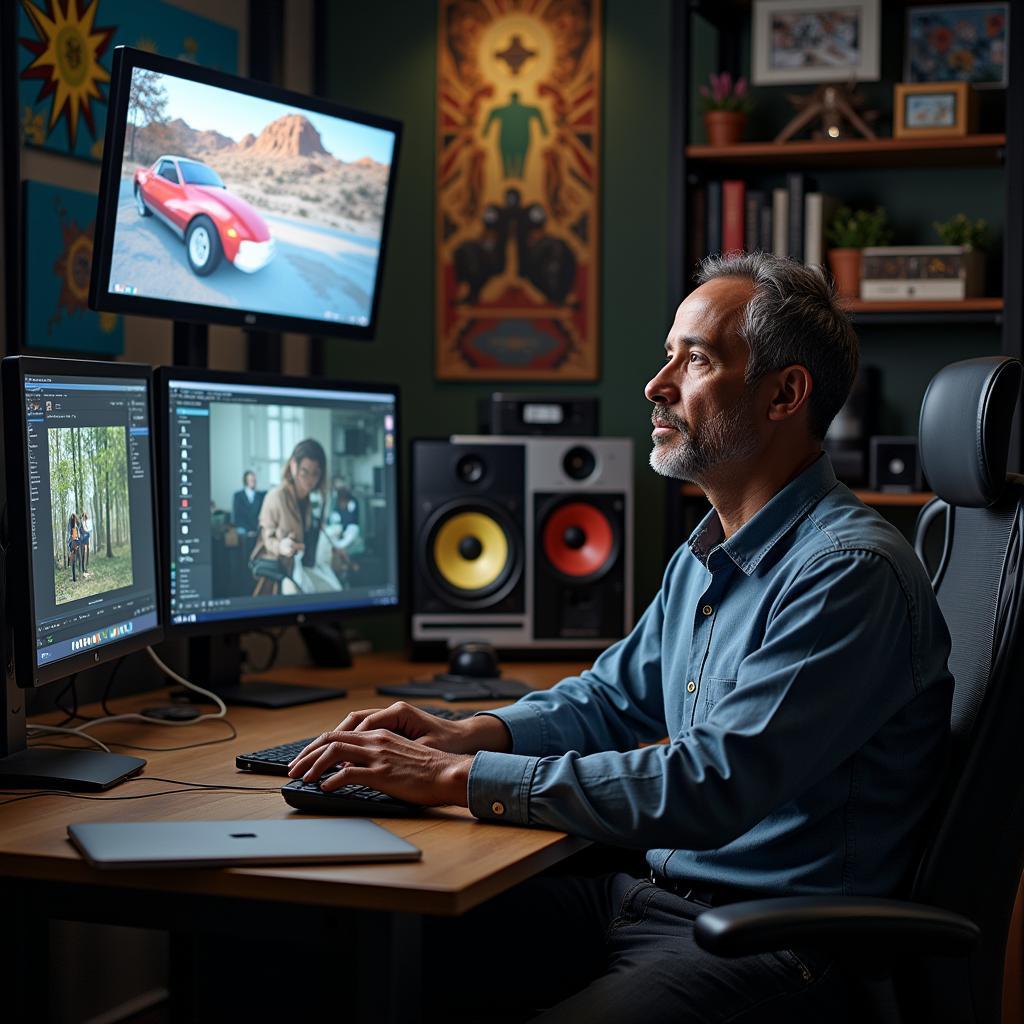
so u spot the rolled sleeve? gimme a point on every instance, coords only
(526, 724)
(499, 786)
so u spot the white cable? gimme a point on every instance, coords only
(33, 729)
(133, 717)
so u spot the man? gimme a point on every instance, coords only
(245, 506)
(795, 657)
(344, 517)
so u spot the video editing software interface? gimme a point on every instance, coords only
(91, 508)
(282, 500)
(239, 202)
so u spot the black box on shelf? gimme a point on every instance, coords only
(895, 466)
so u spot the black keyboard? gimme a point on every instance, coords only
(352, 799)
(275, 760)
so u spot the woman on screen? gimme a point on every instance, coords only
(287, 531)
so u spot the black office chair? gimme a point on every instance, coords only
(939, 955)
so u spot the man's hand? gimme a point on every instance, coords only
(482, 732)
(400, 767)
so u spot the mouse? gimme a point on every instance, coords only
(474, 659)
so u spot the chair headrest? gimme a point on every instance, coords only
(964, 434)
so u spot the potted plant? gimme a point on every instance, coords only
(726, 105)
(972, 238)
(850, 232)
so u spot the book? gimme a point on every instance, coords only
(752, 234)
(733, 216)
(935, 272)
(765, 241)
(780, 222)
(698, 223)
(714, 217)
(819, 209)
(797, 184)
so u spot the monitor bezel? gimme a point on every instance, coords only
(248, 623)
(22, 613)
(125, 60)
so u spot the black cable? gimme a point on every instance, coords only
(155, 750)
(272, 658)
(190, 788)
(110, 683)
(73, 713)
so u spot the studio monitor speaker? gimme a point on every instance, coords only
(524, 542)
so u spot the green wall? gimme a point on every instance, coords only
(386, 63)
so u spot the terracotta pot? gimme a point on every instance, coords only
(724, 127)
(845, 265)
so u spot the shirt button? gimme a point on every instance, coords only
(707, 609)
(497, 807)
(691, 686)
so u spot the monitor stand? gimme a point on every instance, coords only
(23, 767)
(215, 664)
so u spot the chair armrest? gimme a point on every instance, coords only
(840, 924)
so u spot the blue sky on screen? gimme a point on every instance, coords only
(209, 108)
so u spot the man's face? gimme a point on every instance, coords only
(250, 481)
(703, 412)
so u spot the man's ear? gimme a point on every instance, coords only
(793, 387)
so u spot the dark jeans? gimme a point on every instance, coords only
(614, 948)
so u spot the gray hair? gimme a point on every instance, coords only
(793, 317)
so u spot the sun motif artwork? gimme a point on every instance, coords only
(517, 189)
(67, 51)
(60, 223)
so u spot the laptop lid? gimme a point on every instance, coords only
(161, 844)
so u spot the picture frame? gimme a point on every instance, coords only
(933, 110)
(958, 42)
(796, 42)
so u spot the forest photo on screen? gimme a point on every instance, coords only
(89, 511)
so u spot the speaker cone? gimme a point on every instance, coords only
(471, 554)
(579, 540)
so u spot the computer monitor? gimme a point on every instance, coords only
(81, 570)
(224, 200)
(281, 503)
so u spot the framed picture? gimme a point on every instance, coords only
(64, 53)
(932, 110)
(958, 43)
(57, 250)
(518, 210)
(798, 41)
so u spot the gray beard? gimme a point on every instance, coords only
(691, 454)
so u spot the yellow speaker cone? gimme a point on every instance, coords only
(470, 551)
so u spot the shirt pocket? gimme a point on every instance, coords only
(715, 688)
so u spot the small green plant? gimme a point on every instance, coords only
(857, 230)
(959, 230)
(723, 94)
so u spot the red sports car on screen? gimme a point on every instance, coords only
(192, 201)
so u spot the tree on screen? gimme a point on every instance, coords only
(147, 102)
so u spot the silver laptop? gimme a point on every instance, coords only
(166, 844)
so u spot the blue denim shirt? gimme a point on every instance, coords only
(799, 672)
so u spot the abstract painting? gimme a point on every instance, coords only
(518, 174)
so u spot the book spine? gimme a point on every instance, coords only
(765, 241)
(813, 210)
(698, 224)
(796, 185)
(780, 222)
(733, 214)
(714, 218)
(752, 235)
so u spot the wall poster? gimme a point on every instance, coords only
(518, 174)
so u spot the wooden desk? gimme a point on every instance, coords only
(464, 861)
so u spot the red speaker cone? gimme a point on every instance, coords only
(578, 539)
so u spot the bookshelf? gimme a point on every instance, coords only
(971, 151)
(916, 180)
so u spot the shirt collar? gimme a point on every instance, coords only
(769, 524)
